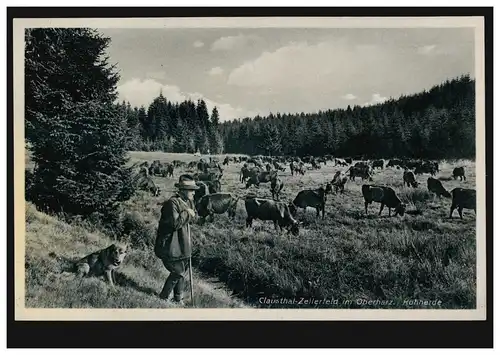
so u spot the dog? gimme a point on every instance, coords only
(102, 262)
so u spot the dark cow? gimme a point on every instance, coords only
(315, 164)
(459, 172)
(409, 179)
(361, 164)
(395, 163)
(277, 166)
(276, 187)
(300, 169)
(261, 177)
(270, 210)
(427, 167)
(360, 171)
(146, 183)
(385, 195)
(206, 176)
(311, 198)
(247, 172)
(378, 164)
(338, 182)
(217, 203)
(435, 186)
(202, 191)
(462, 198)
(170, 170)
(156, 168)
(322, 160)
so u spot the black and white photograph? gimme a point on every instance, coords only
(324, 167)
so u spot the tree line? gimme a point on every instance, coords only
(438, 123)
(184, 127)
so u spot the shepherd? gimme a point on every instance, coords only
(173, 240)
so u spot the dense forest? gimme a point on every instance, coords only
(438, 123)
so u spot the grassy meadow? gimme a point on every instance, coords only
(348, 256)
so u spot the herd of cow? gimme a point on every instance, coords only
(210, 200)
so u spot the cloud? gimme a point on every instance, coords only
(198, 44)
(376, 99)
(216, 71)
(233, 42)
(425, 50)
(349, 97)
(142, 92)
(298, 65)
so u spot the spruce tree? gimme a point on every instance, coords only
(77, 134)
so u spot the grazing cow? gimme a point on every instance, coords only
(361, 164)
(270, 210)
(378, 164)
(435, 186)
(170, 170)
(385, 195)
(360, 171)
(409, 179)
(395, 163)
(146, 183)
(206, 176)
(213, 186)
(262, 176)
(459, 172)
(202, 191)
(300, 169)
(247, 172)
(427, 167)
(277, 166)
(322, 160)
(338, 182)
(311, 198)
(462, 198)
(217, 203)
(276, 187)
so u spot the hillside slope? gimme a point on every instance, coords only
(51, 243)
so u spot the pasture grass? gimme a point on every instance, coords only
(52, 245)
(347, 256)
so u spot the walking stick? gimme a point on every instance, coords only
(190, 267)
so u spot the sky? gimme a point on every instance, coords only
(250, 71)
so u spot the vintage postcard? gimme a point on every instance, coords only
(250, 168)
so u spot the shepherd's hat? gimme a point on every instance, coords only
(186, 182)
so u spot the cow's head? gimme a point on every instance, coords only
(293, 227)
(400, 209)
